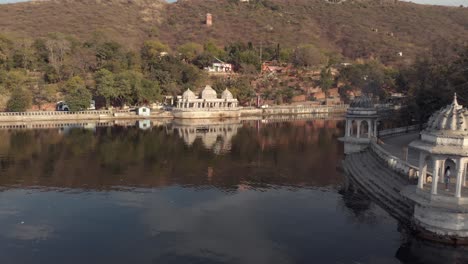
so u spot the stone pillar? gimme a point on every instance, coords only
(347, 134)
(464, 175)
(442, 171)
(358, 129)
(435, 176)
(375, 128)
(369, 128)
(422, 170)
(458, 186)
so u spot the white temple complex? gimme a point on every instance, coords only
(207, 105)
(441, 203)
(361, 124)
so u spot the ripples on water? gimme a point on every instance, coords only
(229, 192)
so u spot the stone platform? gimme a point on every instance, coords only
(379, 182)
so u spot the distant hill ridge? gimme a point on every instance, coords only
(364, 28)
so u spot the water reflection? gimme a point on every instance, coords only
(216, 135)
(103, 157)
(171, 192)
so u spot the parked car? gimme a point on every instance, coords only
(62, 106)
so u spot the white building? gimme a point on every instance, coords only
(207, 100)
(207, 105)
(361, 124)
(143, 111)
(220, 67)
(440, 197)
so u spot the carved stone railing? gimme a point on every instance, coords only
(304, 109)
(398, 130)
(402, 167)
(65, 115)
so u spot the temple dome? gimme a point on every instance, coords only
(362, 102)
(227, 94)
(208, 93)
(449, 118)
(188, 94)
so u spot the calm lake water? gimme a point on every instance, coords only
(231, 192)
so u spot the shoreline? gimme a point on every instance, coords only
(154, 122)
(109, 115)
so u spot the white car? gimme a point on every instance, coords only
(62, 106)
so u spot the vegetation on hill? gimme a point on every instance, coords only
(132, 52)
(354, 29)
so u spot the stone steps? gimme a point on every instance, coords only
(383, 200)
(378, 182)
(380, 188)
(394, 179)
(381, 177)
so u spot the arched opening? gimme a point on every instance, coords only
(448, 176)
(364, 129)
(353, 128)
(427, 166)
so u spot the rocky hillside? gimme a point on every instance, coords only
(355, 29)
(126, 21)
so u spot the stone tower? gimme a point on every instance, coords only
(209, 19)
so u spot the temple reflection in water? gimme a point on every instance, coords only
(216, 135)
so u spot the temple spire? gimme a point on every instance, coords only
(455, 102)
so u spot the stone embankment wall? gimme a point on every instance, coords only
(295, 110)
(126, 114)
(81, 115)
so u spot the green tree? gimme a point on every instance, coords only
(211, 48)
(44, 93)
(250, 57)
(105, 85)
(125, 87)
(203, 60)
(78, 97)
(20, 100)
(190, 50)
(150, 91)
(286, 55)
(110, 55)
(15, 79)
(152, 50)
(240, 88)
(6, 46)
(326, 80)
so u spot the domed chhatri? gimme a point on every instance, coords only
(188, 94)
(208, 93)
(361, 123)
(226, 94)
(362, 102)
(440, 197)
(208, 105)
(449, 118)
(446, 131)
